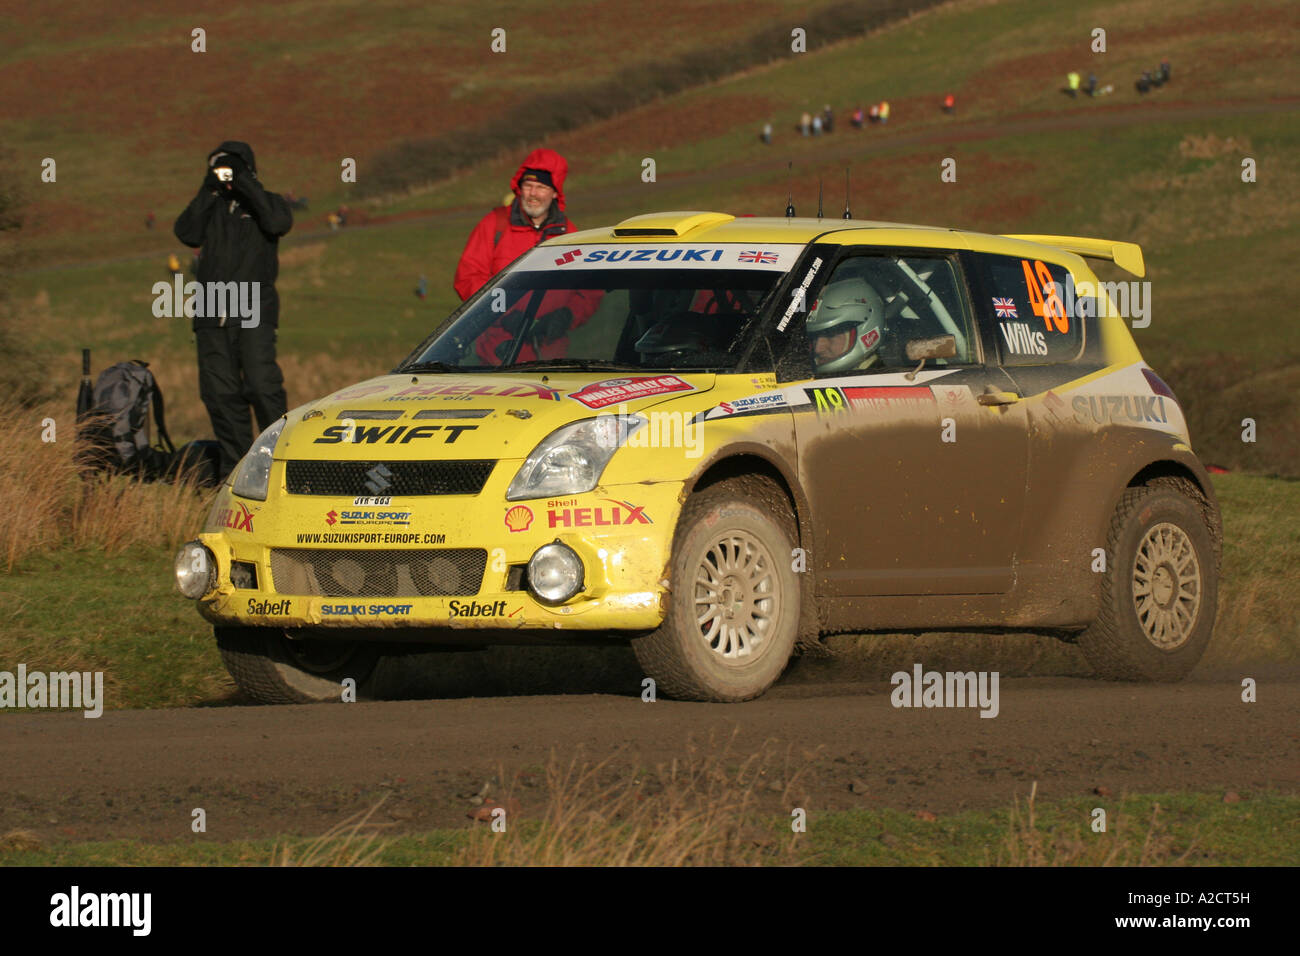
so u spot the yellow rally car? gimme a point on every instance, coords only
(720, 439)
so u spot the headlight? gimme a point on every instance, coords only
(554, 573)
(570, 460)
(196, 570)
(253, 473)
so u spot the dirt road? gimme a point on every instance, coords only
(260, 771)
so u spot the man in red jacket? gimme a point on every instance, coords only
(506, 233)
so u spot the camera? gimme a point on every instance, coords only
(224, 173)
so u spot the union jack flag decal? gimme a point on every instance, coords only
(753, 255)
(1005, 308)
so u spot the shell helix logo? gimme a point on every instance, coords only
(519, 518)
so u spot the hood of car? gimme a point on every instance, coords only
(480, 415)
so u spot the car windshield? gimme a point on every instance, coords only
(649, 317)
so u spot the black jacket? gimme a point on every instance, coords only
(239, 232)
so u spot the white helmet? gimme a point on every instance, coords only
(849, 305)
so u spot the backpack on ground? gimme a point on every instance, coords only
(116, 426)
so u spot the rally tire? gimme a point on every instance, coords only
(731, 547)
(272, 669)
(1160, 589)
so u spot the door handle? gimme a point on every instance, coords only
(993, 396)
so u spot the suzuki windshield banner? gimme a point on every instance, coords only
(773, 257)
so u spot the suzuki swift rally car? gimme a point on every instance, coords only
(719, 439)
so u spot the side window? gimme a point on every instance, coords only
(871, 306)
(1026, 308)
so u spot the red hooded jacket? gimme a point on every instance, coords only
(485, 255)
(501, 237)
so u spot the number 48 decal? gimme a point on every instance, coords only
(1044, 296)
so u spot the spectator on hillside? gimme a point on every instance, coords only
(817, 125)
(766, 135)
(237, 224)
(857, 118)
(1072, 83)
(505, 234)
(1164, 71)
(1144, 82)
(875, 112)
(422, 288)
(1092, 84)
(884, 112)
(828, 118)
(805, 125)
(950, 104)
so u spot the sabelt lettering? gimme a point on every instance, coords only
(268, 607)
(390, 434)
(476, 609)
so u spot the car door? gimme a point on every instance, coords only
(915, 476)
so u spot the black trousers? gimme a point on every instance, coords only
(237, 368)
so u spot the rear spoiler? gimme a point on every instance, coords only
(1126, 255)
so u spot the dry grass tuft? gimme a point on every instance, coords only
(353, 842)
(20, 841)
(1028, 844)
(698, 811)
(49, 505)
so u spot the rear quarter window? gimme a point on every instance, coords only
(1023, 303)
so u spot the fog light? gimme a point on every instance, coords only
(196, 570)
(554, 573)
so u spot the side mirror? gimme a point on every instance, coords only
(918, 350)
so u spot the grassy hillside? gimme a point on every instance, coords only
(128, 110)
(1163, 171)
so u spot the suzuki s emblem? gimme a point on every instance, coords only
(378, 479)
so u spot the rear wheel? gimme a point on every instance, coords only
(275, 669)
(734, 606)
(1159, 594)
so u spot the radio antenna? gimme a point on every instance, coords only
(789, 197)
(819, 197)
(847, 214)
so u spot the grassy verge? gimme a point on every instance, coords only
(1187, 829)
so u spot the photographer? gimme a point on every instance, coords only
(237, 224)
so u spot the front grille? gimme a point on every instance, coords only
(351, 478)
(448, 572)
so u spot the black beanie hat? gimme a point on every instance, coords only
(542, 176)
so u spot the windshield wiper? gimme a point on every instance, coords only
(429, 367)
(584, 364)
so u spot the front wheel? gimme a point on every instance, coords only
(734, 605)
(1159, 594)
(274, 669)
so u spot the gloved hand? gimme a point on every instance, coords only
(553, 325)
